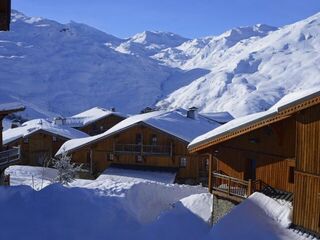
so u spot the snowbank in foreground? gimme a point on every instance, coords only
(258, 217)
(130, 207)
(200, 205)
(57, 212)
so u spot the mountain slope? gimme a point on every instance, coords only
(150, 43)
(58, 68)
(252, 75)
(67, 68)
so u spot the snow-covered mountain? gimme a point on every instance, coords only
(58, 68)
(150, 43)
(254, 73)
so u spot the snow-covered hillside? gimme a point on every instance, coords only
(58, 68)
(53, 67)
(254, 73)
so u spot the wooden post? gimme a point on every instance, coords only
(1, 129)
(141, 147)
(91, 162)
(249, 187)
(210, 173)
(5, 15)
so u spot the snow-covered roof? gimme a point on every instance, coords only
(90, 116)
(287, 101)
(220, 117)
(11, 107)
(174, 122)
(33, 126)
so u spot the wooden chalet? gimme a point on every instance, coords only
(5, 15)
(39, 140)
(8, 155)
(276, 152)
(93, 121)
(155, 140)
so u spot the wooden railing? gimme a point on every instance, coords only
(143, 149)
(230, 187)
(9, 156)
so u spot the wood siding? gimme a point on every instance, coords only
(5, 15)
(101, 125)
(307, 174)
(101, 151)
(306, 202)
(286, 156)
(38, 146)
(272, 148)
(1, 129)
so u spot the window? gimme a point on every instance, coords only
(54, 138)
(183, 162)
(154, 139)
(138, 138)
(110, 157)
(291, 175)
(26, 140)
(139, 159)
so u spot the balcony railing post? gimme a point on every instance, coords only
(249, 187)
(210, 175)
(229, 184)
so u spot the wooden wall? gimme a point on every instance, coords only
(101, 125)
(272, 148)
(5, 15)
(1, 129)
(101, 150)
(307, 174)
(39, 145)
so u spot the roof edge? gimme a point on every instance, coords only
(282, 113)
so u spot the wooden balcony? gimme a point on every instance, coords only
(230, 188)
(9, 157)
(165, 150)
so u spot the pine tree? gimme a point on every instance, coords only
(66, 169)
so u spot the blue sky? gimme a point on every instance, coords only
(189, 18)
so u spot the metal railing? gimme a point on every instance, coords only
(9, 156)
(143, 149)
(231, 186)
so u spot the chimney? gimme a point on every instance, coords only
(192, 113)
(58, 121)
(15, 124)
(113, 109)
(5, 15)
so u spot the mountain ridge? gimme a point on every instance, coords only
(57, 68)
